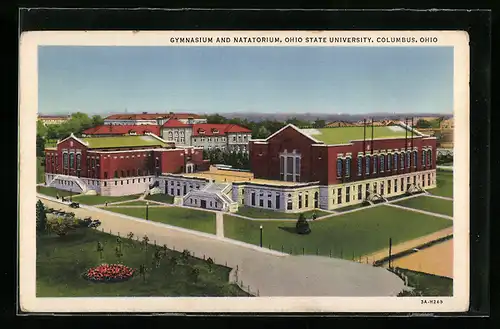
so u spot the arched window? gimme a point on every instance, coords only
(375, 164)
(339, 167)
(72, 160)
(402, 161)
(395, 161)
(347, 167)
(389, 162)
(382, 163)
(429, 158)
(408, 158)
(424, 158)
(78, 161)
(415, 159)
(360, 165)
(289, 202)
(170, 135)
(367, 165)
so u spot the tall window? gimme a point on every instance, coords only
(395, 161)
(424, 158)
(389, 162)
(277, 201)
(408, 158)
(307, 200)
(261, 199)
(348, 167)
(297, 169)
(289, 205)
(395, 186)
(253, 198)
(78, 161)
(382, 163)
(339, 168)
(375, 158)
(382, 188)
(300, 200)
(360, 192)
(360, 165)
(105, 175)
(72, 160)
(429, 158)
(347, 194)
(389, 187)
(339, 196)
(367, 165)
(402, 161)
(116, 174)
(289, 169)
(415, 159)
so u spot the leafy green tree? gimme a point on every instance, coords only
(185, 255)
(53, 132)
(40, 146)
(62, 225)
(100, 249)
(41, 129)
(157, 257)
(302, 226)
(97, 120)
(41, 216)
(195, 273)
(216, 119)
(421, 123)
(319, 123)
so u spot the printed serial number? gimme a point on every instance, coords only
(431, 301)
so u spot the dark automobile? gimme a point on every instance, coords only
(96, 223)
(74, 205)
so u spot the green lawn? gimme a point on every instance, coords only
(62, 260)
(161, 198)
(428, 284)
(40, 171)
(353, 234)
(192, 219)
(440, 206)
(266, 213)
(444, 182)
(101, 199)
(52, 191)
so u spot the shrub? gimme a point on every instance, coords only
(41, 216)
(62, 225)
(302, 226)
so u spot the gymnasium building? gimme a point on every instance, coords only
(293, 170)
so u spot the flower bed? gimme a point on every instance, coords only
(109, 273)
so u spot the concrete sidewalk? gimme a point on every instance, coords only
(272, 274)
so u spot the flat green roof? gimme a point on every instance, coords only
(122, 141)
(344, 135)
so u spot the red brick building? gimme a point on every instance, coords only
(116, 165)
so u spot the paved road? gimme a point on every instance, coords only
(270, 274)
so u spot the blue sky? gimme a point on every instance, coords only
(351, 80)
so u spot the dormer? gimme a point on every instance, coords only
(215, 131)
(132, 132)
(201, 131)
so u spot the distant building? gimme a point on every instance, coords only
(225, 137)
(53, 119)
(339, 124)
(447, 124)
(152, 118)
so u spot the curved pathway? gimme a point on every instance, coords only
(269, 273)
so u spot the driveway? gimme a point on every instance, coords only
(269, 274)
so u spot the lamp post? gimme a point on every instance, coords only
(147, 210)
(261, 236)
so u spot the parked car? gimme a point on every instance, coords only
(74, 205)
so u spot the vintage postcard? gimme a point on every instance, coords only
(244, 171)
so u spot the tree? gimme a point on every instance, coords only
(421, 123)
(41, 129)
(53, 132)
(145, 241)
(302, 226)
(41, 216)
(210, 263)
(118, 252)
(97, 120)
(157, 257)
(185, 255)
(319, 123)
(216, 119)
(100, 249)
(62, 225)
(40, 146)
(173, 263)
(194, 274)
